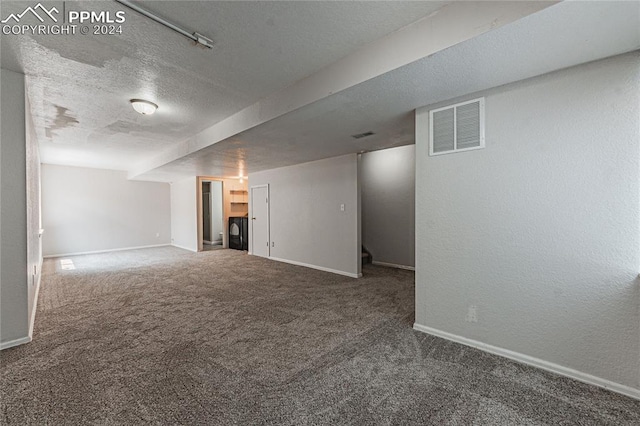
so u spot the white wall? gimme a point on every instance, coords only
(86, 210)
(307, 225)
(184, 214)
(20, 253)
(540, 230)
(388, 205)
(13, 215)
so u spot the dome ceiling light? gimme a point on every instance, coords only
(143, 107)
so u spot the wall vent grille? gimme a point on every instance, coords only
(457, 128)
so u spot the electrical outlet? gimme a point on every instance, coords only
(472, 314)
(273, 244)
(341, 207)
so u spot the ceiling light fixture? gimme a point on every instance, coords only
(143, 107)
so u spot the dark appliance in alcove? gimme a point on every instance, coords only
(239, 233)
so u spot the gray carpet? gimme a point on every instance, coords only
(164, 336)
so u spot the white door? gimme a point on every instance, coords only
(260, 220)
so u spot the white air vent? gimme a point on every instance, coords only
(456, 128)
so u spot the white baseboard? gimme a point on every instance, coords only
(16, 342)
(394, 265)
(104, 251)
(320, 268)
(184, 248)
(535, 362)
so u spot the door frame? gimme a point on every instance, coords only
(199, 181)
(210, 216)
(251, 239)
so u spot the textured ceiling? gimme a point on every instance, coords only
(448, 26)
(561, 36)
(79, 86)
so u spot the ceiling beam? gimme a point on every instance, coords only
(448, 26)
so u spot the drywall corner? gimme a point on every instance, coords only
(34, 215)
(184, 215)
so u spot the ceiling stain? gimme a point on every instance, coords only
(62, 120)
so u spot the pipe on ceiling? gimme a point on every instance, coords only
(199, 39)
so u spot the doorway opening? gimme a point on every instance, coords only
(212, 214)
(387, 197)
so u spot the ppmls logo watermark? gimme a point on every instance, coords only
(41, 20)
(34, 11)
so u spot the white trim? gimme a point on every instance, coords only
(184, 248)
(320, 268)
(393, 265)
(16, 342)
(106, 251)
(35, 300)
(535, 362)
